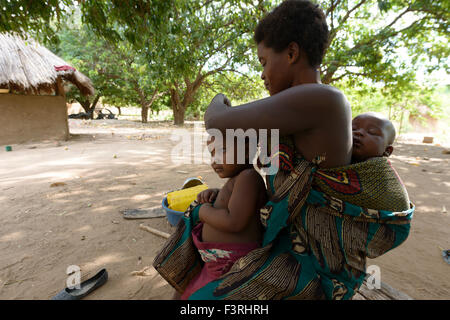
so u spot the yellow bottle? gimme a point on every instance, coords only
(181, 199)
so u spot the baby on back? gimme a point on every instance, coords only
(373, 136)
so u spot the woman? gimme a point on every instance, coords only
(320, 223)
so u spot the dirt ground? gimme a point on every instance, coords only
(60, 205)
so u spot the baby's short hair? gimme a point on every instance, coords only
(299, 21)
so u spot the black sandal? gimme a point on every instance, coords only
(86, 287)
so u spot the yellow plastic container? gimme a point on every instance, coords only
(181, 199)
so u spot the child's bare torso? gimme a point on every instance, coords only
(253, 231)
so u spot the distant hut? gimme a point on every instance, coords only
(32, 96)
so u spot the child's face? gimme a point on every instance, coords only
(225, 170)
(370, 137)
(275, 69)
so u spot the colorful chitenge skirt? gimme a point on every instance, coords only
(320, 226)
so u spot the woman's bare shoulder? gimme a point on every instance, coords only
(319, 91)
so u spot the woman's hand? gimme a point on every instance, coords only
(219, 104)
(207, 196)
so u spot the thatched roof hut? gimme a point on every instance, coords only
(32, 95)
(28, 67)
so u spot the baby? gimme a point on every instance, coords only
(230, 225)
(373, 136)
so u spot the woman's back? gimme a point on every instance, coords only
(331, 135)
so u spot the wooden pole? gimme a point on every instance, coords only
(154, 231)
(59, 88)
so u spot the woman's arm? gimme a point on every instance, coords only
(293, 110)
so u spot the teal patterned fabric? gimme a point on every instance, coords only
(315, 245)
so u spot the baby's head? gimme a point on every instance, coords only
(373, 136)
(222, 167)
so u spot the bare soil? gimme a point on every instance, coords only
(60, 205)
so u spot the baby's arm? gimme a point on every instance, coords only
(242, 206)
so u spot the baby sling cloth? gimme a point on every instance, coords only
(320, 226)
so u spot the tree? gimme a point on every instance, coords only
(189, 41)
(119, 75)
(377, 46)
(38, 18)
(366, 37)
(243, 88)
(91, 56)
(185, 42)
(218, 41)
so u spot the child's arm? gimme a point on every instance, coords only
(291, 111)
(242, 205)
(208, 195)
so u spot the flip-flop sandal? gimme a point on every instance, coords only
(446, 255)
(155, 212)
(86, 287)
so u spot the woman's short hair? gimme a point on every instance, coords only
(299, 21)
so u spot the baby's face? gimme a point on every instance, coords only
(370, 137)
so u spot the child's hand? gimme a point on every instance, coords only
(207, 196)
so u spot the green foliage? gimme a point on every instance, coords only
(92, 57)
(120, 76)
(182, 42)
(416, 100)
(41, 19)
(367, 40)
(240, 88)
(188, 49)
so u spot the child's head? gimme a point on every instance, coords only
(295, 31)
(373, 136)
(227, 169)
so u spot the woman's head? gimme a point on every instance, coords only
(298, 21)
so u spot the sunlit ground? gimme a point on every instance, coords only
(60, 206)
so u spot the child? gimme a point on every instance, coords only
(373, 136)
(230, 226)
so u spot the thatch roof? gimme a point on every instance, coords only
(27, 66)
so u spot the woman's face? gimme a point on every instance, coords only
(276, 72)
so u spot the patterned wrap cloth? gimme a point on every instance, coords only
(218, 258)
(320, 226)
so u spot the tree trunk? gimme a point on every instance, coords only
(179, 106)
(144, 113)
(85, 104)
(145, 102)
(178, 116)
(401, 123)
(89, 107)
(176, 106)
(92, 108)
